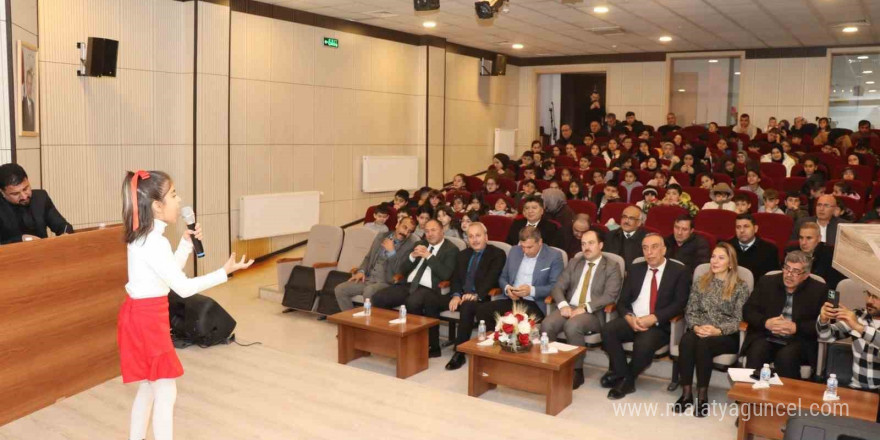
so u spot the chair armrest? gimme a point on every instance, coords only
(288, 260)
(397, 278)
(323, 265)
(443, 284)
(494, 291)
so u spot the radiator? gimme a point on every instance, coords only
(272, 215)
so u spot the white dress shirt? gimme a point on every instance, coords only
(576, 296)
(525, 273)
(153, 269)
(642, 305)
(426, 277)
(823, 232)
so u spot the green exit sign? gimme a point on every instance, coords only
(331, 42)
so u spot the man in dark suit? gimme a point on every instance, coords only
(476, 272)
(626, 240)
(379, 265)
(781, 314)
(633, 125)
(810, 243)
(571, 239)
(757, 255)
(530, 272)
(654, 292)
(588, 284)
(686, 246)
(431, 262)
(25, 213)
(826, 208)
(612, 125)
(596, 112)
(533, 211)
(670, 126)
(566, 136)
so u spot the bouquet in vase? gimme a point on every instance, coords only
(515, 330)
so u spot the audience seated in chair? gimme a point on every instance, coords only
(826, 208)
(533, 213)
(584, 288)
(654, 292)
(781, 315)
(713, 314)
(822, 254)
(686, 246)
(431, 262)
(379, 265)
(477, 270)
(626, 240)
(752, 252)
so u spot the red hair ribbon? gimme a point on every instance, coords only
(135, 222)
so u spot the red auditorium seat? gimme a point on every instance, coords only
(683, 179)
(473, 184)
(708, 237)
(857, 206)
(860, 186)
(863, 172)
(792, 184)
(542, 184)
(719, 222)
(598, 162)
(506, 184)
(492, 198)
(773, 170)
(698, 195)
(663, 217)
(636, 195)
(721, 177)
(583, 207)
(392, 217)
(497, 225)
(753, 199)
(613, 210)
(450, 196)
(774, 227)
(565, 161)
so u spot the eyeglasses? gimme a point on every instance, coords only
(796, 272)
(626, 217)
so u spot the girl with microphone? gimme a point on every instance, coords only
(146, 353)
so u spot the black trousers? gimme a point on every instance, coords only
(696, 353)
(645, 343)
(487, 312)
(423, 301)
(468, 312)
(787, 359)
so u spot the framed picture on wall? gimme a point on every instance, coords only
(27, 90)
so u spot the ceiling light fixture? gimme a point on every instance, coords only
(863, 57)
(517, 46)
(681, 90)
(600, 9)
(430, 24)
(850, 29)
(872, 91)
(736, 73)
(869, 82)
(867, 72)
(665, 39)
(713, 61)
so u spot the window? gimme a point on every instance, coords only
(855, 80)
(705, 90)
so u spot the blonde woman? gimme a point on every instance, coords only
(713, 314)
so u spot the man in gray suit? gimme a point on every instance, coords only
(529, 274)
(586, 286)
(377, 269)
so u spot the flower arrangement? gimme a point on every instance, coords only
(515, 330)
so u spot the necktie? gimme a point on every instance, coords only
(628, 235)
(582, 300)
(744, 247)
(653, 289)
(470, 279)
(421, 271)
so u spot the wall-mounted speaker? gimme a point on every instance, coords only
(499, 67)
(101, 54)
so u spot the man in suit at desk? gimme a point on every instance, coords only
(25, 213)
(476, 272)
(431, 261)
(529, 274)
(654, 292)
(626, 240)
(588, 284)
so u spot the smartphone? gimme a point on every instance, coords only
(834, 297)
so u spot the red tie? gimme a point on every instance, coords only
(653, 289)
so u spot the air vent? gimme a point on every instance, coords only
(381, 14)
(608, 30)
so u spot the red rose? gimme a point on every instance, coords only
(523, 339)
(520, 317)
(532, 322)
(497, 336)
(507, 328)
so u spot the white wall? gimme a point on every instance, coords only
(549, 90)
(784, 88)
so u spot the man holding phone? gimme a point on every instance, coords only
(863, 326)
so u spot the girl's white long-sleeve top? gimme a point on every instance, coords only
(153, 269)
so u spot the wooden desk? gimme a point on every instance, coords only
(547, 374)
(59, 298)
(794, 394)
(408, 343)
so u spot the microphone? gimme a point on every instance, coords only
(190, 217)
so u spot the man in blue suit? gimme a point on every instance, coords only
(529, 275)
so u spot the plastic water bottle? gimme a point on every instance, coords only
(481, 331)
(831, 388)
(368, 307)
(402, 313)
(545, 343)
(765, 373)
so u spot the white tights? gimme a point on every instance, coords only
(160, 396)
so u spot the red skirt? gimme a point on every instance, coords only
(144, 338)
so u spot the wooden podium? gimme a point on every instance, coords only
(59, 299)
(857, 253)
